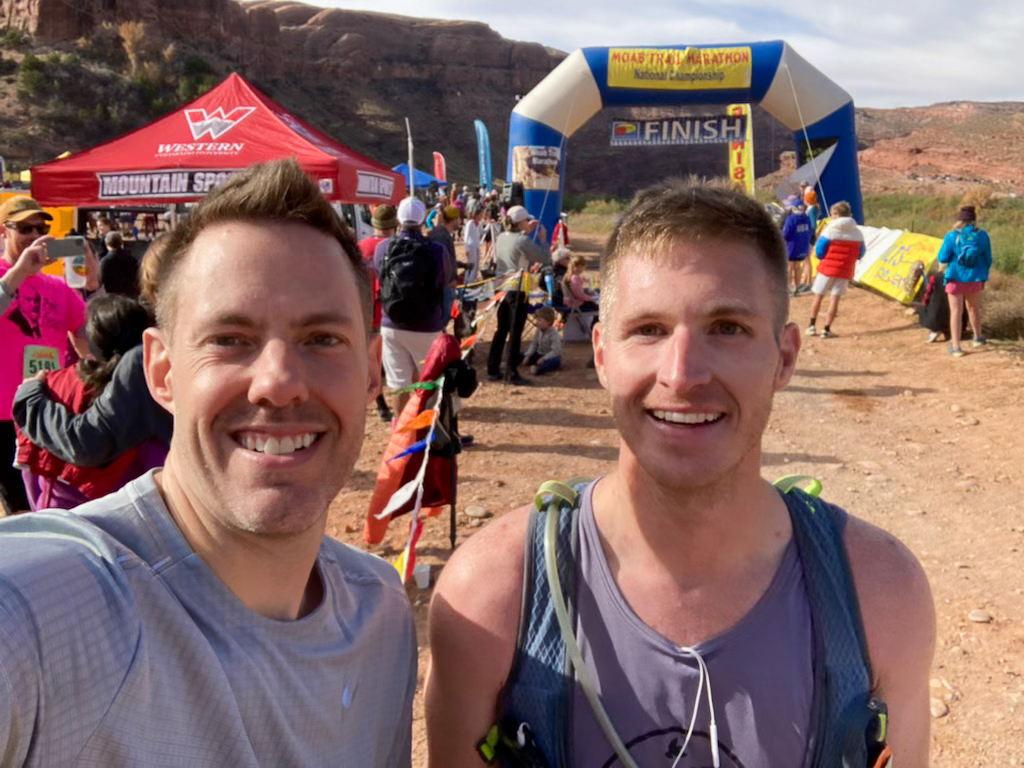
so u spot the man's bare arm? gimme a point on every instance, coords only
(474, 619)
(899, 622)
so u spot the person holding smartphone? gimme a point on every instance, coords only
(38, 312)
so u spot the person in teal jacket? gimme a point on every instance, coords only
(967, 253)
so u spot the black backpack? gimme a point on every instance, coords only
(410, 281)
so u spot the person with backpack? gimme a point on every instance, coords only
(967, 253)
(385, 224)
(680, 610)
(413, 273)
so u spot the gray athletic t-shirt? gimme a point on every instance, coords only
(760, 669)
(120, 647)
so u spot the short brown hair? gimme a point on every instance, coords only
(149, 266)
(842, 208)
(277, 191)
(545, 313)
(679, 210)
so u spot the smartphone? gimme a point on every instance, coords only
(66, 247)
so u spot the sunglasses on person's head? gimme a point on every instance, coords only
(27, 229)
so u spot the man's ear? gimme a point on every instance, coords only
(597, 340)
(789, 350)
(156, 355)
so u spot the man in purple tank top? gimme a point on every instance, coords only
(687, 569)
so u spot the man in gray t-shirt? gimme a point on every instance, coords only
(199, 616)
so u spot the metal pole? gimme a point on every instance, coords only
(412, 188)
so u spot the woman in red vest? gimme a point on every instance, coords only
(114, 325)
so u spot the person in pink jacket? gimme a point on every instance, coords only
(839, 246)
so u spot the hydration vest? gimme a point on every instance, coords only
(848, 726)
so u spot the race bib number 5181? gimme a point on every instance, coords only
(38, 359)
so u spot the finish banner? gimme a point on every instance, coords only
(674, 69)
(741, 152)
(716, 129)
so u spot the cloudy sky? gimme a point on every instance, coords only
(885, 53)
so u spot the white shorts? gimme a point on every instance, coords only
(836, 286)
(403, 355)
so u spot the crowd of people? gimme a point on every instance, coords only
(191, 609)
(823, 255)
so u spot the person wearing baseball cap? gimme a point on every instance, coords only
(443, 231)
(37, 312)
(411, 212)
(966, 255)
(406, 341)
(385, 223)
(522, 243)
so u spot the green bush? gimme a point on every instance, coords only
(104, 45)
(1002, 313)
(1003, 302)
(935, 215)
(32, 78)
(606, 206)
(13, 38)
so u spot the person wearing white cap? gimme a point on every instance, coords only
(413, 274)
(522, 243)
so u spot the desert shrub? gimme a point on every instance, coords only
(32, 78)
(1003, 307)
(935, 215)
(133, 39)
(197, 77)
(979, 197)
(104, 45)
(7, 66)
(13, 38)
(599, 225)
(606, 206)
(574, 202)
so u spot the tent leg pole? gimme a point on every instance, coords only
(455, 490)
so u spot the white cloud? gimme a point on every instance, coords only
(885, 53)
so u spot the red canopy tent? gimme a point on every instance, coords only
(180, 157)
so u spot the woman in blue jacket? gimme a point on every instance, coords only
(967, 253)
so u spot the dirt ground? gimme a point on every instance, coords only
(901, 434)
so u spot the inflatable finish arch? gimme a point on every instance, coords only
(769, 73)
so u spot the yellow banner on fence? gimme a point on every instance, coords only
(673, 69)
(892, 273)
(741, 153)
(517, 281)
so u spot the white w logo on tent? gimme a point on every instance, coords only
(215, 123)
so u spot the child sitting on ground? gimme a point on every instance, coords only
(575, 293)
(545, 351)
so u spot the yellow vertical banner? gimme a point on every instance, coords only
(741, 153)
